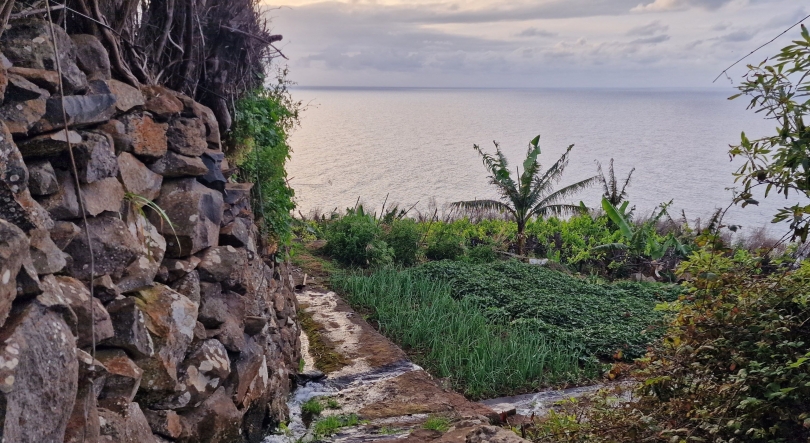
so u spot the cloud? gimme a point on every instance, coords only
(650, 40)
(534, 32)
(676, 5)
(649, 29)
(738, 36)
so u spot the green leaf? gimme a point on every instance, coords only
(617, 218)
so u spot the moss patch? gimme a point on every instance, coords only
(326, 358)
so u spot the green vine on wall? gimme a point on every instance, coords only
(259, 146)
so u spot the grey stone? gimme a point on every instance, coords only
(81, 110)
(105, 290)
(27, 43)
(236, 233)
(122, 380)
(205, 369)
(103, 195)
(95, 157)
(48, 145)
(47, 80)
(214, 178)
(219, 263)
(189, 285)
(127, 97)
(137, 178)
(161, 102)
(170, 319)
(83, 425)
(20, 117)
(174, 165)
(94, 321)
(130, 328)
(216, 420)
(63, 205)
(63, 233)
(38, 377)
(142, 136)
(128, 427)
(187, 136)
(91, 57)
(178, 268)
(141, 273)
(113, 245)
(13, 253)
(196, 212)
(42, 178)
(165, 423)
(45, 254)
(20, 89)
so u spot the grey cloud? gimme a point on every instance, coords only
(738, 36)
(650, 40)
(534, 32)
(649, 29)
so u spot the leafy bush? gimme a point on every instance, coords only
(354, 240)
(258, 145)
(480, 254)
(452, 338)
(608, 320)
(403, 237)
(444, 243)
(733, 367)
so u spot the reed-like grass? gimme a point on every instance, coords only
(452, 339)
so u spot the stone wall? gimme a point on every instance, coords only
(195, 335)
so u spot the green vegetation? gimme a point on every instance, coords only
(436, 423)
(331, 425)
(258, 146)
(331, 403)
(780, 162)
(454, 339)
(312, 407)
(602, 320)
(533, 194)
(355, 240)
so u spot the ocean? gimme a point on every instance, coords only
(416, 145)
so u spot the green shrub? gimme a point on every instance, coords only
(481, 254)
(312, 407)
(443, 243)
(608, 320)
(453, 339)
(258, 145)
(403, 237)
(354, 240)
(330, 425)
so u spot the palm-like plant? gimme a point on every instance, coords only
(610, 186)
(533, 194)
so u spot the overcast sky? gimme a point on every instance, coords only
(526, 43)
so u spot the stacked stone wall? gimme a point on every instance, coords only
(195, 336)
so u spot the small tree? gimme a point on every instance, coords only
(780, 162)
(533, 194)
(610, 186)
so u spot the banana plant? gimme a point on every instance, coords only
(641, 240)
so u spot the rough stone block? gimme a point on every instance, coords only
(45, 254)
(103, 195)
(142, 136)
(13, 253)
(137, 178)
(42, 178)
(216, 420)
(187, 136)
(20, 117)
(114, 247)
(21, 89)
(128, 427)
(95, 157)
(122, 380)
(91, 57)
(127, 97)
(170, 319)
(196, 212)
(89, 311)
(174, 165)
(27, 43)
(44, 79)
(165, 423)
(130, 328)
(48, 145)
(161, 102)
(38, 376)
(81, 110)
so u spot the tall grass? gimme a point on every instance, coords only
(452, 339)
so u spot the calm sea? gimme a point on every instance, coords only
(416, 144)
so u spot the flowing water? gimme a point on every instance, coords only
(416, 144)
